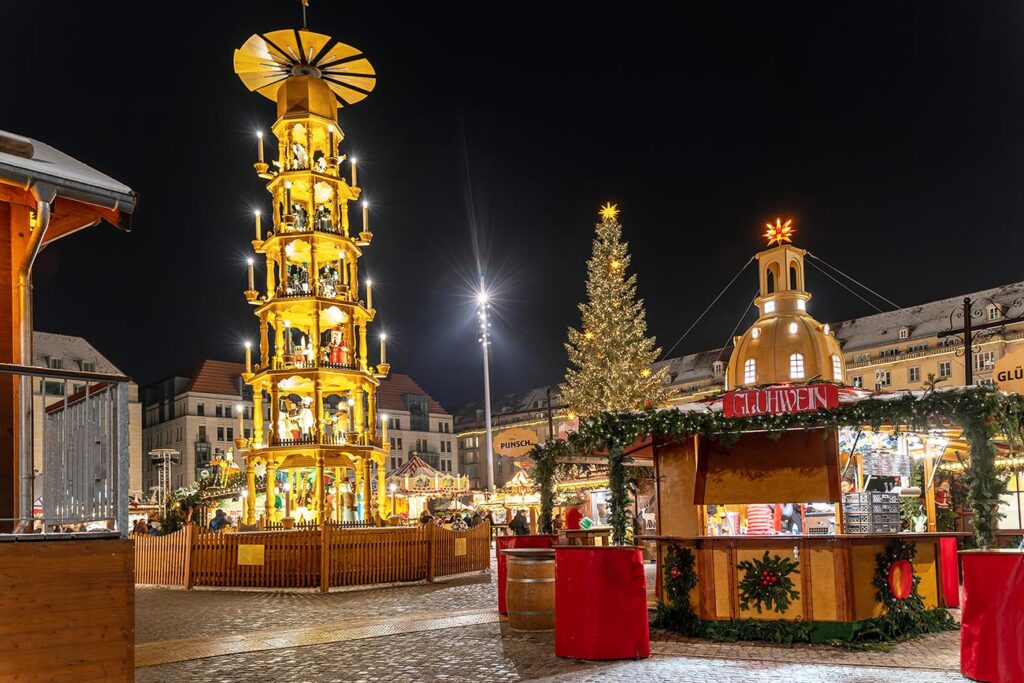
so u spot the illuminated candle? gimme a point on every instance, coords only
(241, 426)
(384, 428)
(366, 214)
(383, 349)
(288, 197)
(259, 145)
(248, 356)
(330, 140)
(259, 228)
(353, 171)
(252, 285)
(369, 294)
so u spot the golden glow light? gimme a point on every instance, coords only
(780, 232)
(609, 211)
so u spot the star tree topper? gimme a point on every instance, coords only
(609, 211)
(780, 232)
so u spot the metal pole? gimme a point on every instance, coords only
(551, 420)
(968, 353)
(485, 342)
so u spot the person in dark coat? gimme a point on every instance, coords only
(519, 525)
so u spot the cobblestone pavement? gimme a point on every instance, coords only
(401, 634)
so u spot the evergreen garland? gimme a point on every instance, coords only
(904, 616)
(766, 583)
(679, 578)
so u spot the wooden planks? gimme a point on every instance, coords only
(69, 611)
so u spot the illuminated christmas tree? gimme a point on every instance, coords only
(611, 356)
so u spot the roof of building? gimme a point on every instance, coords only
(695, 366)
(70, 349)
(23, 158)
(396, 386)
(215, 377)
(925, 320)
(519, 402)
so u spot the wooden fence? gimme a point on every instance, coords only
(296, 559)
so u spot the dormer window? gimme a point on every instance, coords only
(755, 332)
(718, 367)
(749, 371)
(904, 333)
(837, 368)
(793, 328)
(769, 306)
(801, 305)
(796, 366)
(995, 312)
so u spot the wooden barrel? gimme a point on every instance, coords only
(530, 589)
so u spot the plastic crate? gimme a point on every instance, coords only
(885, 508)
(856, 528)
(854, 508)
(857, 497)
(886, 518)
(885, 528)
(885, 497)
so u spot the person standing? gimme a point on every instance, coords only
(573, 517)
(519, 525)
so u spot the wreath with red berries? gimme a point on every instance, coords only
(680, 577)
(766, 583)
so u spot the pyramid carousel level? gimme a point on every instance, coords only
(314, 366)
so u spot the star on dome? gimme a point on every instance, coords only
(609, 211)
(780, 232)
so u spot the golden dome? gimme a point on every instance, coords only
(785, 344)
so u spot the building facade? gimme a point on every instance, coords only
(195, 413)
(66, 352)
(891, 351)
(417, 425)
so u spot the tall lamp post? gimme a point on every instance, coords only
(485, 341)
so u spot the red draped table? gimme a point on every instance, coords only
(992, 632)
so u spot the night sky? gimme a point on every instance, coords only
(893, 133)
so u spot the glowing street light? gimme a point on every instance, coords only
(483, 305)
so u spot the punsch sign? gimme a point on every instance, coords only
(805, 398)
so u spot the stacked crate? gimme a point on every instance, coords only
(871, 512)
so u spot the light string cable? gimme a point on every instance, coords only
(732, 335)
(853, 280)
(710, 306)
(841, 284)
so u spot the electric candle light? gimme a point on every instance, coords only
(353, 171)
(366, 206)
(240, 409)
(369, 293)
(259, 145)
(384, 428)
(248, 357)
(252, 284)
(288, 196)
(330, 140)
(383, 349)
(259, 228)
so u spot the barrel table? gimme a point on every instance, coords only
(530, 589)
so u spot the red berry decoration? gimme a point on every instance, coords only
(675, 573)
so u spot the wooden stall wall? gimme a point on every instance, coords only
(68, 611)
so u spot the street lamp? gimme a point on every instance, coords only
(483, 305)
(393, 488)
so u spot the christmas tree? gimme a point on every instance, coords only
(611, 357)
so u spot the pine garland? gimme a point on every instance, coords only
(679, 578)
(766, 583)
(906, 616)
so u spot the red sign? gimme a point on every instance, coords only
(805, 398)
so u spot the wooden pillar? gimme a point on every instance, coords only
(264, 341)
(365, 465)
(362, 345)
(321, 503)
(359, 478)
(250, 485)
(275, 412)
(278, 343)
(314, 267)
(271, 283)
(343, 211)
(271, 488)
(360, 415)
(257, 417)
(316, 336)
(382, 493)
(929, 492)
(371, 408)
(338, 495)
(318, 411)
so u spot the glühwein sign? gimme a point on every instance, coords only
(805, 398)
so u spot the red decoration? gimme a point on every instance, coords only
(806, 398)
(601, 603)
(504, 542)
(993, 612)
(901, 579)
(675, 573)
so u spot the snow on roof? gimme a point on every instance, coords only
(925, 320)
(50, 164)
(69, 349)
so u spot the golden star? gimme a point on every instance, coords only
(609, 211)
(780, 232)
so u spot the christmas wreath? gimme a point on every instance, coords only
(896, 588)
(679, 579)
(766, 583)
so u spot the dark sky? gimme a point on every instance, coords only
(892, 132)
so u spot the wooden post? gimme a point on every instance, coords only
(325, 555)
(321, 490)
(190, 543)
(271, 488)
(431, 536)
(929, 492)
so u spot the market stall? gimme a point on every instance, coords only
(411, 488)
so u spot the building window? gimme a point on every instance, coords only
(396, 443)
(793, 328)
(200, 409)
(904, 332)
(220, 433)
(202, 434)
(769, 306)
(749, 371)
(914, 375)
(837, 368)
(861, 357)
(53, 388)
(231, 433)
(801, 305)
(755, 332)
(717, 367)
(55, 363)
(984, 360)
(394, 423)
(945, 369)
(88, 365)
(883, 378)
(858, 382)
(796, 366)
(219, 410)
(994, 313)
(394, 464)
